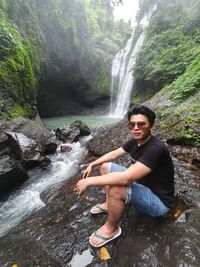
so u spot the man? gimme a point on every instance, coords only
(148, 184)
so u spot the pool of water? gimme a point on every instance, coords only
(90, 121)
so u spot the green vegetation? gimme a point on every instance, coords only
(189, 83)
(18, 66)
(35, 34)
(21, 111)
(168, 68)
(169, 46)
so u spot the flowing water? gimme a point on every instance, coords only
(122, 72)
(26, 200)
(122, 76)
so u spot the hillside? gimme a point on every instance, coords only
(167, 70)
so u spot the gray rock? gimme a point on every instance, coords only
(50, 148)
(27, 151)
(73, 132)
(12, 174)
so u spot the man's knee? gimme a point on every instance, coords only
(118, 192)
(104, 168)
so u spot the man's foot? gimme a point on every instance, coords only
(99, 208)
(103, 236)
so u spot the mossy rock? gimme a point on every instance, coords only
(178, 123)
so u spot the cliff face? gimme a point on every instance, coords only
(56, 50)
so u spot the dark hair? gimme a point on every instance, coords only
(151, 116)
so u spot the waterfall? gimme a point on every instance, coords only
(122, 73)
(122, 77)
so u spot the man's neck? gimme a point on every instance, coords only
(142, 142)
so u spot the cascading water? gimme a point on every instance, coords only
(26, 200)
(122, 76)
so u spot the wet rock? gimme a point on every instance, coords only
(12, 174)
(61, 231)
(22, 146)
(73, 132)
(4, 146)
(3, 141)
(65, 148)
(26, 150)
(33, 129)
(50, 148)
(109, 138)
(158, 242)
(62, 227)
(190, 154)
(186, 182)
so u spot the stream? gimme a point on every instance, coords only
(63, 166)
(26, 200)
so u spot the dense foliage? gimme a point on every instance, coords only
(169, 63)
(171, 45)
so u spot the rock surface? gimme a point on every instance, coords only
(57, 235)
(12, 174)
(73, 132)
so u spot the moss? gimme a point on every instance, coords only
(3, 8)
(181, 123)
(20, 110)
(18, 66)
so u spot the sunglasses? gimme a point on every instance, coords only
(140, 125)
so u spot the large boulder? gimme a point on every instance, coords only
(34, 129)
(26, 150)
(73, 132)
(12, 174)
(109, 138)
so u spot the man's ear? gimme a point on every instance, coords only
(153, 126)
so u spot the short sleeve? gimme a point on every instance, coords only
(152, 156)
(129, 145)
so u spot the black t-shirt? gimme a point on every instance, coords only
(155, 155)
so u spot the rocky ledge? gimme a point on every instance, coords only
(57, 235)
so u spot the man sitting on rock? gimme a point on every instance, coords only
(148, 184)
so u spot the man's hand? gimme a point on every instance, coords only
(87, 171)
(81, 186)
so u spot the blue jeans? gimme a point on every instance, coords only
(141, 197)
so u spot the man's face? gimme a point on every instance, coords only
(140, 127)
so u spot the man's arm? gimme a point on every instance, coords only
(133, 173)
(105, 158)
